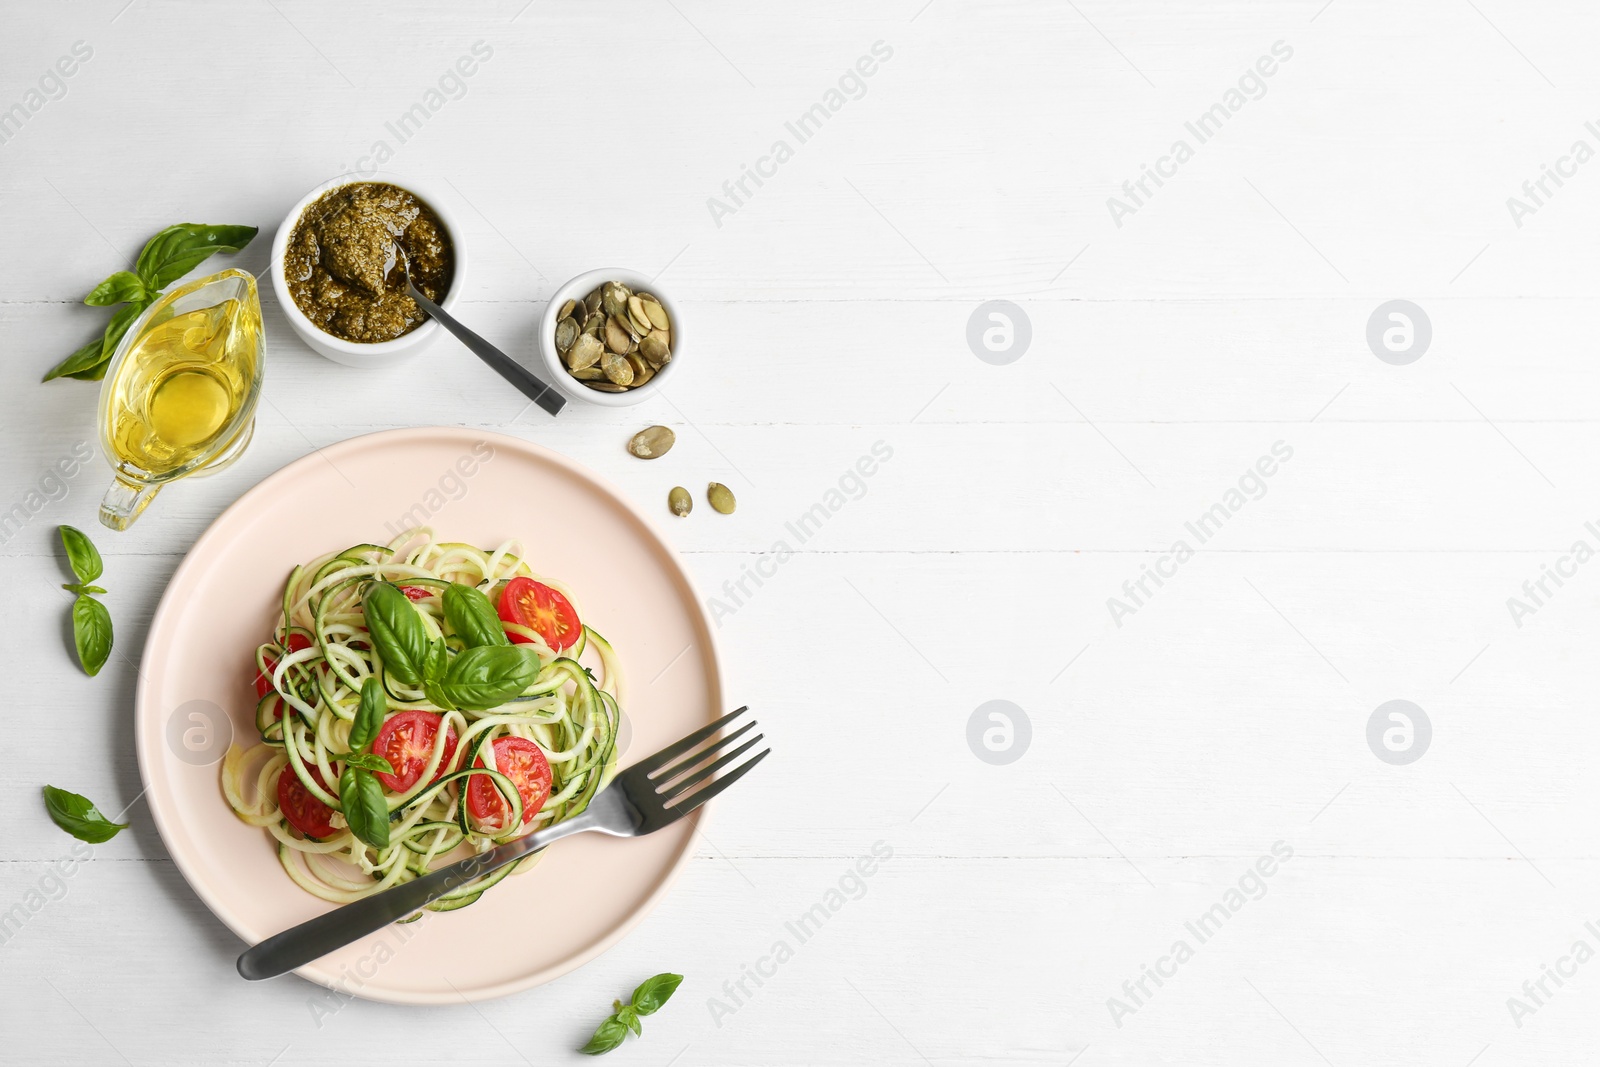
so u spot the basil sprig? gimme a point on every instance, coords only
(166, 257)
(91, 633)
(82, 556)
(369, 716)
(398, 633)
(647, 1000)
(361, 798)
(119, 288)
(477, 679)
(84, 559)
(179, 249)
(88, 364)
(91, 622)
(78, 816)
(435, 667)
(360, 794)
(486, 677)
(473, 617)
(654, 992)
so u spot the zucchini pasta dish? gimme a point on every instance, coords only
(417, 702)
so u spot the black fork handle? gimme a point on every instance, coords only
(529, 384)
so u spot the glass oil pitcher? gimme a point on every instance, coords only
(180, 393)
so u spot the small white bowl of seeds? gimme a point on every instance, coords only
(610, 337)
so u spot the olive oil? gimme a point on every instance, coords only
(180, 386)
(180, 395)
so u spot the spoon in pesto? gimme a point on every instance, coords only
(528, 383)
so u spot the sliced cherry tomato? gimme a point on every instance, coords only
(416, 592)
(542, 609)
(305, 812)
(297, 642)
(406, 741)
(523, 762)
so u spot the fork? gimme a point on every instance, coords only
(653, 793)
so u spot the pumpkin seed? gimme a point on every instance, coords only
(652, 442)
(653, 347)
(637, 318)
(566, 309)
(606, 387)
(680, 501)
(614, 299)
(591, 303)
(654, 312)
(590, 374)
(617, 368)
(585, 352)
(643, 371)
(721, 498)
(617, 338)
(566, 333)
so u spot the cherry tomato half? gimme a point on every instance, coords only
(416, 592)
(523, 762)
(406, 741)
(542, 609)
(297, 642)
(305, 812)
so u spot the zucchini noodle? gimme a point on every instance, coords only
(320, 656)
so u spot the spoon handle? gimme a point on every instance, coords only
(528, 383)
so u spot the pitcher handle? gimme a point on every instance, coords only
(124, 502)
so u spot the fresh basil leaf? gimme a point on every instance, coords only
(79, 587)
(114, 330)
(369, 716)
(177, 250)
(121, 286)
(88, 364)
(78, 816)
(82, 554)
(654, 992)
(397, 631)
(437, 663)
(630, 1018)
(606, 1037)
(434, 669)
(369, 761)
(119, 325)
(361, 797)
(91, 633)
(81, 363)
(92, 374)
(487, 676)
(472, 616)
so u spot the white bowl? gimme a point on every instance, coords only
(381, 353)
(577, 289)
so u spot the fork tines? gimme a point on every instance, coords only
(681, 774)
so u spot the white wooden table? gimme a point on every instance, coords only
(1176, 340)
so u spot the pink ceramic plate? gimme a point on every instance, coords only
(482, 488)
